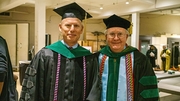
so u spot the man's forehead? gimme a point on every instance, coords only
(71, 20)
(116, 29)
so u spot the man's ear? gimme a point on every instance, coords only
(106, 36)
(60, 26)
(127, 36)
(82, 28)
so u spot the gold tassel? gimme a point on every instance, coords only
(84, 35)
(130, 28)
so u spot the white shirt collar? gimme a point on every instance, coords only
(75, 46)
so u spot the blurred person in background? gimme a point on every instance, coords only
(175, 56)
(8, 90)
(152, 55)
(165, 57)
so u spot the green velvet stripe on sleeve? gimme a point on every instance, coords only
(150, 93)
(148, 80)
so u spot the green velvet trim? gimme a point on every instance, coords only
(113, 68)
(150, 93)
(60, 48)
(113, 79)
(148, 80)
(106, 50)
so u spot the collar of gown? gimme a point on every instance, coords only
(60, 48)
(106, 50)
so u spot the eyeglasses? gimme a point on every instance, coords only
(119, 35)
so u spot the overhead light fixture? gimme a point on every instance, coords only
(127, 1)
(101, 6)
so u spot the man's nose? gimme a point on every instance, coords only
(116, 36)
(72, 27)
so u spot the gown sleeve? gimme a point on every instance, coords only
(3, 62)
(33, 83)
(145, 80)
(3, 67)
(94, 94)
(6, 74)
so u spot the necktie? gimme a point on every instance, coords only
(70, 48)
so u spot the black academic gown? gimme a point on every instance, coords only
(145, 81)
(40, 78)
(152, 58)
(174, 57)
(6, 74)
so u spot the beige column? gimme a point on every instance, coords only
(135, 30)
(40, 24)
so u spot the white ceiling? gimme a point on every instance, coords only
(109, 6)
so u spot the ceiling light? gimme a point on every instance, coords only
(127, 1)
(101, 6)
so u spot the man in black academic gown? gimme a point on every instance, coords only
(152, 55)
(174, 56)
(126, 74)
(58, 73)
(7, 83)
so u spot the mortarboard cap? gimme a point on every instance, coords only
(72, 10)
(116, 21)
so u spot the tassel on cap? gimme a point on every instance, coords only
(130, 29)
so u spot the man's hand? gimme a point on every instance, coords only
(1, 86)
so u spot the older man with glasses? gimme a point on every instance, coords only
(126, 74)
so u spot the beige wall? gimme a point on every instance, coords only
(16, 36)
(149, 24)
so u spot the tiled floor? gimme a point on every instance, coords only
(172, 81)
(163, 96)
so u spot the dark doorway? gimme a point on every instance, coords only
(144, 43)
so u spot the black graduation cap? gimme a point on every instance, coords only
(72, 10)
(116, 21)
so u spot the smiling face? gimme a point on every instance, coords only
(116, 38)
(71, 29)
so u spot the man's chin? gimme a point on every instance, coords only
(71, 39)
(116, 47)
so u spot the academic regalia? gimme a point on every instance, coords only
(128, 74)
(114, 76)
(165, 57)
(152, 55)
(57, 63)
(174, 56)
(6, 74)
